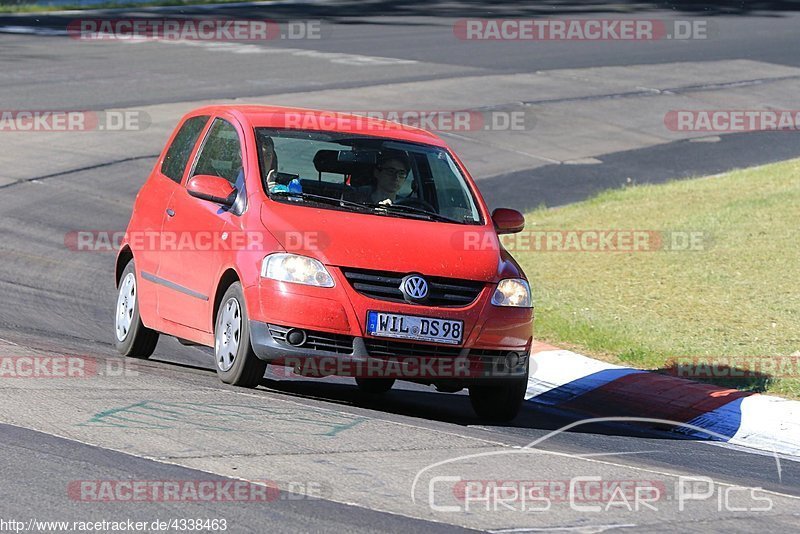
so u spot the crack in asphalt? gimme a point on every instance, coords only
(331, 453)
(639, 92)
(50, 335)
(47, 291)
(79, 169)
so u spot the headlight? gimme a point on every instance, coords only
(513, 292)
(296, 269)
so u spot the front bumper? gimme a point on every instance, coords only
(344, 311)
(326, 354)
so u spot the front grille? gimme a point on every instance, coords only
(338, 343)
(385, 285)
(383, 347)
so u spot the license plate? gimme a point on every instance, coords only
(413, 327)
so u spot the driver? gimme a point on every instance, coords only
(269, 162)
(390, 173)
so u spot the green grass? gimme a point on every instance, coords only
(739, 296)
(40, 8)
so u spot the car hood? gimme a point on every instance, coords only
(365, 241)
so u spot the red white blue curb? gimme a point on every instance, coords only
(575, 383)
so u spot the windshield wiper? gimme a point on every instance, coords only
(386, 208)
(411, 209)
(321, 198)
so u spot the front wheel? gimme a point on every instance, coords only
(133, 338)
(236, 362)
(500, 403)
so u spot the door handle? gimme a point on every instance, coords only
(170, 212)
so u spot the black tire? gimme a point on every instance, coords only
(137, 341)
(245, 370)
(499, 403)
(375, 386)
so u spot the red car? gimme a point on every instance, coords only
(335, 244)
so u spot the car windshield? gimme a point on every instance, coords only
(366, 174)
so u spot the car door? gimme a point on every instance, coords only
(151, 204)
(194, 228)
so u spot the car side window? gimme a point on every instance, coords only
(221, 154)
(181, 148)
(451, 197)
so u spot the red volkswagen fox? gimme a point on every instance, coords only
(334, 244)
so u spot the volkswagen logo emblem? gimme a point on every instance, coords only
(414, 287)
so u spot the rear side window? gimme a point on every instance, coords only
(221, 154)
(181, 148)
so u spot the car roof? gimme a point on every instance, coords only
(259, 116)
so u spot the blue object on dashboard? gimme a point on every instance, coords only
(295, 186)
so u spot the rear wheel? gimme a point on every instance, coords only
(375, 386)
(236, 362)
(499, 403)
(133, 338)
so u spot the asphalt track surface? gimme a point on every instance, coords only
(54, 301)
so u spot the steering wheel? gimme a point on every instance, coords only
(417, 203)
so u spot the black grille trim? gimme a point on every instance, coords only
(322, 341)
(383, 348)
(488, 356)
(443, 292)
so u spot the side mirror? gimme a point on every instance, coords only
(212, 188)
(508, 221)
